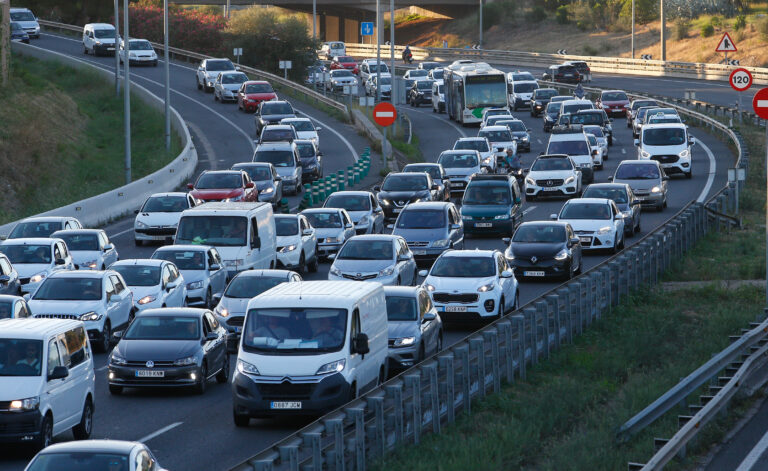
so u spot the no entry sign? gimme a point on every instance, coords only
(384, 114)
(760, 103)
(740, 79)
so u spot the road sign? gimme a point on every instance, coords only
(726, 44)
(578, 92)
(385, 114)
(366, 28)
(740, 79)
(646, 57)
(285, 64)
(760, 103)
(238, 51)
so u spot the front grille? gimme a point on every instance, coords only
(286, 390)
(358, 277)
(418, 244)
(642, 192)
(55, 316)
(550, 182)
(158, 231)
(583, 232)
(23, 281)
(400, 203)
(143, 364)
(18, 427)
(455, 298)
(666, 159)
(236, 321)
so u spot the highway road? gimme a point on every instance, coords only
(189, 432)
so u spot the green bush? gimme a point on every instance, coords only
(682, 27)
(496, 12)
(537, 15)
(645, 11)
(740, 23)
(707, 30)
(716, 21)
(762, 28)
(590, 51)
(561, 14)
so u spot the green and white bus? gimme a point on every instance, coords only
(471, 88)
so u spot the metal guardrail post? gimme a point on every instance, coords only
(597, 289)
(289, 453)
(553, 300)
(574, 288)
(462, 352)
(395, 393)
(530, 319)
(445, 360)
(491, 336)
(507, 352)
(519, 322)
(357, 414)
(477, 345)
(312, 440)
(565, 295)
(434, 395)
(543, 313)
(413, 382)
(375, 432)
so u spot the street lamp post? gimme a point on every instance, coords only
(117, 49)
(633, 29)
(378, 52)
(392, 49)
(168, 76)
(127, 92)
(314, 20)
(480, 42)
(663, 32)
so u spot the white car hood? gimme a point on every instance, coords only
(27, 270)
(505, 144)
(588, 224)
(232, 87)
(19, 387)
(458, 285)
(306, 134)
(664, 150)
(141, 291)
(79, 257)
(551, 175)
(159, 219)
(323, 232)
(290, 365)
(461, 171)
(282, 241)
(190, 276)
(357, 215)
(524, 96)
(235, 306)
(64, 306)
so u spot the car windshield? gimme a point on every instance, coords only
(576, 107)
(472, 144)
(401, 308)
(641, 103)
(23, 16)
(496, 136)
(366, 250)
(336, 45)
(69, 289)
(432, 170)
(306, 150)
(286, 226)
(615, 96)
(301, 125)
(421, 219)
(295, 329)
(491, 113)
(20, 254)
(386, 81)
(484, 91)
(219, 66)
(524, 87)
(663, 136)
(104, 33)
(586, 211)
(258, 88)
(579, 147)
(213, 230)
(553, 107)
(419, 73)
(269, 108)
(139, 275)
(6, 309)
(619, 195)
(517, 77)
(246, 287)
(513, 125)
(404, 183)
(80, 241)
(539, 234)
(257, 173)
(438, 74)
(464, 267)
(183, 259)
(597, 131)
(273, 135)
(215, 181)
(278, 158)
(587, 118)
(165, 204)
(34, 229)
(424, 85)
(378, 68)
(79, 460)
(637, 172)
(545, 165)
(140, 46)
(164, 328)
(545, 93)
(486, 194)
(325, 220)
(592, 140)
(341, 73)
(234, 78)
(349, 202)
(458, 160)
(21, 357)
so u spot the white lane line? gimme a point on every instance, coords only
(159, 432)
(623, 151)
(337, 133)
(448, 121)
(118, 234)
(528, 210)
(751, 459)
(207, 147)
(102, 368)
(539, 141)
(712, 170)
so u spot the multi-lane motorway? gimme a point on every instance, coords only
(189, 432)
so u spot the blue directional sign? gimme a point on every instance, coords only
(366, 28)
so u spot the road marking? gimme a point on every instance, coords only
(102, 368)
(712, 170)
(113, 236)
(528, 210)
(207, 147)
(539, 141)
(159, 432)
(623, 151)
(754, 455)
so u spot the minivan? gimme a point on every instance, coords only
(669, 144)
(309, 347)
(99, 39)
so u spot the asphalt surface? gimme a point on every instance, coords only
(189, 432)
(748, 447)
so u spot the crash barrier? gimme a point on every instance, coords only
(316, 192)
(98, 210)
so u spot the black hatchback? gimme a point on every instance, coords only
(544, 249)
(400, 189)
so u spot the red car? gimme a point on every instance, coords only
(613, 102)
(344, 62)
(252, 93)
(223, 185)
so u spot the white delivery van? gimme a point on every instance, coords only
(243, 233)
(99, 39)
(46, 381)
(309, 347)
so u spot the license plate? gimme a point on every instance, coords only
(419, 252)
(483, 224)
(550, 189)
(237, 330)
(110, 49)
(455, 308)
(150, 374)
(585, 240)
(285, 405)
(533, 273)
(397, 210)
(456, 185)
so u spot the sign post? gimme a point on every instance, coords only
(740, 80)
(760, 105)
(285, 65)
(725, 46)
(384, 114)
(237, 52)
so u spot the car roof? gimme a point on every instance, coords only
(379, 237)
(78, 231)
(655, 163)
(99, 25)
(589, 200)
(459, 151)
(543, 223)
(607, 185)
(304, 293)
(274, 145)
(427, 205)
(46, 219)
(256, 81)
(172, 311)
(190, 247)
(9, 297)
(79, 274)
(469, 253)
(353, 192)
(400, 174)
(475, 138)
(170, 193)
(321, 210)
(32, 328)
(272, 273)
(31, 241)
(279, 126)
(422, 164)
(412, 291)
(98, 445)
(240, 165)
(499, 127)
(227, 171)
(664, 126)
(295, 119)
(155, 262)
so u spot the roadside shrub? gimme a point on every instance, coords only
(189, 29)
(561, 14)
(716, 21)
(740, 23)
(537, 15)
(682, 27)
(590, 51)
(707, 30)
(645, 11)
(495, 13)
(762, 28)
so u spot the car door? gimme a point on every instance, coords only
(11, 285)
(74, 385)
(124, 300)
(257, 256)
(618, 221)
(216, 271)
(55, 390)
(110, 252)
(428, 328)
(349, 228)
(455, 227)
(178, 293)
(405, 262)
(377, 216)
(308, 239)
(216, 349)
(516, 213)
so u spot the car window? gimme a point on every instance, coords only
(108, 288)
(355, 327)
(57, 252)
(5, 267)
(211, 322)
(118, 283)
(53, 356)
(499, 264)
(76, 345)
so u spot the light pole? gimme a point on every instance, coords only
(117, 49)
(663, 28)
(168, 76)
(392, 49)
(633, 29)
(480, 42)
(314, 20)
(127, 92)
(378, 52)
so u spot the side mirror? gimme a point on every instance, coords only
(610, 179)
(60, 261)
(172, 284)
(256, 243)
(318, 129)
(423, 273)
(377, 188)
(691, 142)
(108, 247)
(135, 211)
(553, 217)
(378, 210)
(59, 372)
(435, 186)
(526, 171)
(665, 178)
(332, 256)
(360, 344)
(455, 227)
(507, 274)
(594, 152)
(249, 185)
(214, 267)
(506, 240)
(190, 186)
(429, 316)
(405, 257)
(27, 297)
(637, 142)
(390, 226)
(575, 241)
(211, 336)
(307, 232)
(216, 298)
(237, 68)
(278, 178)
(618, 216)
(117, 334)
(349, 226)
(634, 203)
(4, 279)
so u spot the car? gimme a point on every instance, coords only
(574, 105)
(99, 39)
(265, 180)
(420, 92)
(382, 258)
(252, 93)
(670, 144)
(96, 454)
(414, 326)
(372, 84)
(428, 65)
(572, 141)
(665, 119)
(501, 141)
(429, 229)
(186, 346)
(18, 33)
(655, 111)
(562, 73)
(209, 69)
(599, 134)
(27, 20)
(272, 112)
(227, 85)
(597, 151)
(407, 84)
(520, 76)
(436, 74)
(552, 175)
(90, 248)
(551, 115)
(520, 93)
(625, 200)
(230, 306)
(460, 165)
(540, 99)
(296, 243)
(10, 282)
(639, 118)
(201, 268)
(613, 102)
(48, 383)
(42, 226)
(458, 63)
(333, 49)
(37, 258)
(153, 282)
(495, 120)
(490, 112)
(593, 117)
(140, 52)
(635, 105)
(492, 204)
(363, 208)
(647, 180)
(439, 177)
(471, 285)
(369, 67)
(311, 160)
(416, 74)
(277, 133)
(284, 156)
(585, 74)
(305, 129)
(482, 146)
(333, 227)
(13, 307)
(158, 216)
(597, 222)
(438, 96)
(544, 249)
(400, 189)
(98, 298)
(345, 62)
(340, 78)
(520, 134)
(223, 185)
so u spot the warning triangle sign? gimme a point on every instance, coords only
(726, 44)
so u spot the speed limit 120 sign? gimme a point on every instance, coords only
(740, 80)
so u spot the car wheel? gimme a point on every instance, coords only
(208, 298)
(82, 431)
(421, 356)
(313, 265)
(622, 243)
(106, 336)
(516, 306)
(500, 310)
(399, 281)
(610, 140)
(85, 50)
(223, 375)
(46, 433)
(115, 390)
(615, 248)
(302, 263)
(637, 227)
(215, 96)
(689, 175)
(199, 85)
(200, 386)
(241, 420)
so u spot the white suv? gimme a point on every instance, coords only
(438, 97)
(669, 144)
(572, 141)
(369, 67)
(552, 175)
(479, 144)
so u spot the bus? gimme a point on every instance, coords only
(471, 88)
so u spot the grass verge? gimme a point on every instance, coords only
(62, 139)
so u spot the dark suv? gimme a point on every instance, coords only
(272, 112)
(562, 73)
(400, 189)
(420, 92)
(491, 204)
(540, 100)
(594, 117)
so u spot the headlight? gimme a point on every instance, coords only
(538, 102)
(132, 54)
(30, 403)
(429, 287)
(404, 342)
(38, 277)
(246, 368)
(233, 199)
(530, 181)
(387, 271)
(234, 263)
(485, 288)
(501, 216)
(267, 191)
(466, 217)
(384, 202)
(90, 264)
(570, 179)
(147, 299)
(604, 230)
(442, 243)
(627, 214)
(335, 271)
(221, 311)
(195, 285)
(116, 359)
(525, 138)
(185, 361)
(332, 367)
(644, 154)
(363, 221)
(288, 248)
(684, 153)
(90, 316)
(656, 189)
(140, 225)
(487, 161)
(562, 255)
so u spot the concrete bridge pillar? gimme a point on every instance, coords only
(332, 28)
(351, 30)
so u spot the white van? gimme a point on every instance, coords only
(669, 144)
(243, 233)
(309, 347)
(27, 20)
(46, 381)
(99, 39)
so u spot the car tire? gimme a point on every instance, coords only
(241, 420)
(223, 375)
(115, 390)
(530, 198)
(215, 96)
(313, 265)
(610, 140)
(208, 299)
(689, 175)
(82, 431)
(201, 385)
(439, 346)
(302, 263)
(421, 355)
(199, 85)
(106, 336)
(85, 50)
(46, 433)
(615, 249)
(500, 311)
(399, 281)
(637, 227)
